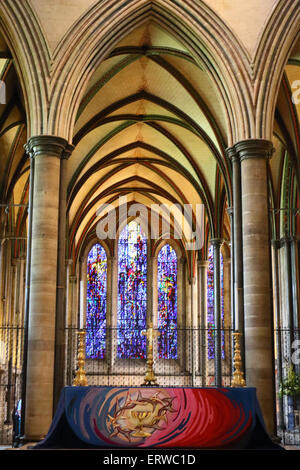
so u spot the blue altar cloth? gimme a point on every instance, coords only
(157, 417)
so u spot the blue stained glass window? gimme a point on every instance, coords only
(132, 292)
(210, 306)
(96, 302)
(167, 303)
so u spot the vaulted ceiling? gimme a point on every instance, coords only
(150, 126)
(14, 166)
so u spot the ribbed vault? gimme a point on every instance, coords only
(152, 111)
(284, 166)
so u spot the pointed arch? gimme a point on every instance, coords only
(208, 39)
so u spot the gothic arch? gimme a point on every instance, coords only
(32, 58)
(197, 26)
(277, 41)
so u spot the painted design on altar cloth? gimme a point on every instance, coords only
(158, 417)
(139, 416)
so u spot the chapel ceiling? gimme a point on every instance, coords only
(149, 125)
(14, 174)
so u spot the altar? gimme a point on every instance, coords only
(96, 417)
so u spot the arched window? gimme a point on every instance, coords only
(210, 306)
(167, 302)
(132, 292)
(96, 302)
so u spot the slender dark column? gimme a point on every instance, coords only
(216, 243)
(232, 303)
(286, 244)
(278, 333)
(296, 282)
(202, 309)
(237, 232)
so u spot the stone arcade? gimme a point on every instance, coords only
(165, 103)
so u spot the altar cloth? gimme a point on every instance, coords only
(157, 417)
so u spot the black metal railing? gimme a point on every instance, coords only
(191, 363)
(11, 361)
(287, 360)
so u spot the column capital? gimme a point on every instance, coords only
(49, 145)
(203, 263)
(254, 148)
(216, 241)
(232, 154)
(287, 239)
(276, 243)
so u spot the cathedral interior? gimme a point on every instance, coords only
(112, 113)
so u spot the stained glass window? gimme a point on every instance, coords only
(132, 292)
(167, 303)
(210, 306)
(96, 302)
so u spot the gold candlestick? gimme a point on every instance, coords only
(80, 377)
(150, 378)
(238, 375)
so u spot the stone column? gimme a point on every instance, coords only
(295, 281)
(114, 320)
(232, 309)
(182, 321)
(297, 278)
(70, 310)
(237, 233)
(109, 313)
(193, 330)
(257, 274)
(60, 325)
(150, 281)
(216, 243)
(227, 315)
(27, 291)
(20, 308)
(153, 311)
(46, 152)
(277, 317)
(286, 245)
(202, 309)
(154, 292)
(71, 322)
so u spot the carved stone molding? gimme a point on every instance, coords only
(49, 145)
(254, 148)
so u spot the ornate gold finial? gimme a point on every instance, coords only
(238, 375)
(80, 377)
(150, 378)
